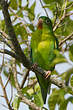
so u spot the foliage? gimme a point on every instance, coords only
(23, 16)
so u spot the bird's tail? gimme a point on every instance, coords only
(44, 85)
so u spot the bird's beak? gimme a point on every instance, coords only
(40, 23)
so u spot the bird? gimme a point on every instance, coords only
(43, 46)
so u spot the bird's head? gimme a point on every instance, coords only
(44, 21)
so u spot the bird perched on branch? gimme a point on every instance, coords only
(43, 45)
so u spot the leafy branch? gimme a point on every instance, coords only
(19, 55)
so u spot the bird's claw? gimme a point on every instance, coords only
(48, 73)
(34, 65)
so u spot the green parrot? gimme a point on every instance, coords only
(43, 45)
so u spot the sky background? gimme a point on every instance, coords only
(60, 68)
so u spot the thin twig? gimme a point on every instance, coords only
(69, 14)
(4, 34)
(44, 8)
(28, 102)
(33, 83)
(11, 93)
(4, 41)
(2, 61)
(24, 79)
(67, 38)
(5, 51)
(7, 81)
(61, 19)
(5, 94)
(21, 21)
(1, 96)
(14, 71)
(11, 32)
(4, 105)
(20, 95)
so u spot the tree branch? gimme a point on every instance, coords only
(5, 51)
(67, 38)
(44, 8)
(20, 95)
(19, 53)
(61, 84)
(12, 35)
(24, 79)
(5, 94)
(22, 21)
(28, 102)
(61, 19)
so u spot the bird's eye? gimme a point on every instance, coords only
(47, 21)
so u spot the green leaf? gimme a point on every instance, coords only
(13, 4)
(52, 101)
(66, 75)
(37, 96)
(20, 30)
(19, 3)
(65, 28)
(53, 1)
(35, 93)
(50, 6)
(31, 27)
(63, 105)
(71, 52)
(28, 91)
(7, 73)
(59, 58)
(24, 90)
(71, 81)
(38, 99)
(31, 11)
(70, 91)
(2, 24)
(54, 7)
(16, 103)
(20, 13)
(57, 97)
(70, 99)
(69, 6)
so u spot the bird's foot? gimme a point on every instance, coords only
(48, 73)
(34, 65)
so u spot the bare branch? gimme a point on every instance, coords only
(12, 35)
(5, 94)
(44, 8)
(4, 34)
(61, 19)
(20, 20)
(7, 81)
(23, 99)
(69, 14)
(67, 38)
(28, 102)
(2, 62)
(61, 84)
(4, 105)
(5, 51)
(14, 71)
(24, 79)
(33, 83)
(11, 93)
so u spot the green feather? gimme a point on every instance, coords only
(43, 45)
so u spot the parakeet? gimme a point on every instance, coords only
(43, 44)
